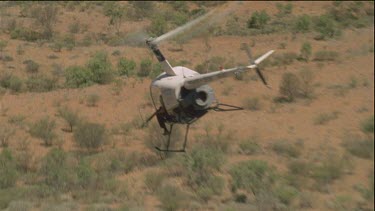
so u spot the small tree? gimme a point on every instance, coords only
(290, 86)
(302, 23)
(70, 117)
(46, 18)
(100, 68)
(90, 135)
(126, 67)
(44, 129)
(258, 20)
(145, 68)
(305, 52)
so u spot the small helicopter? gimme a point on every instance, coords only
(182, 96)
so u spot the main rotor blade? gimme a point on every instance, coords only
(182, 28)
(248, 52)
(261, 76)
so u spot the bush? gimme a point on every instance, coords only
(326, 55)
(284, 59)
(25, 34)
(363, 148)
(253, 176)
(326, 27)
(44, 129)
(92, 100)
(284, 9)
(5, 133)
(290, 86)
(323, 118)
(31, 66)
(300, 168)
(249, 147)
(327, 171)
(302, 24)
(367, 126)
(8, 171)
(3, 44)
(171, 197)
(69, 116)
(46, 17)
(100, 68)
(154, 180)
(145, 68)
(85, 174)
(41, 83)
(286, 194)
(77, 76)
(252, 103)
(305, 52)
(74, 27)
(158, 26)
(126, 67)
(11, 82)
(258, 20)
(282, 147)
(90, 135)
(56, 171)
(306, 86)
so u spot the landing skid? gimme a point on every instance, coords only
(169, 141)
(219, 107)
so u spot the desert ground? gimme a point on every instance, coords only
(74, 91)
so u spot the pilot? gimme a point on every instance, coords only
(162, 115)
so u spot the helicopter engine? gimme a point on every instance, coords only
(194, 103)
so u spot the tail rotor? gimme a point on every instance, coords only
(246, 48)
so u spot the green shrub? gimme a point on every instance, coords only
(25, 34)
(302, 23)
(252, 103)
(157, 69)
(31, 66)
(85, 174)
(324, 55)
(284, 9)
(44, 129)
(8, 171)
(330, 169)
(326, 27)
(154, 180)
(286, 194)
(74, 27)
(249, 147)
(11, 82)
(367, 126)
(145, 68)
(56, 171)
(171, 197)
(100, 68)
(323, 118)
(306, 86)
(126, 67)
(5, 133)
(158, 26)
(290, 86)
(252, 175)
(77, 76)
(90, 135)
(3, 44)
(305, 52)
(92, 100)
(213, 186)
(282, 147)
(357, 146)
(41, 83)
(258, 20)
(69, 116)
(286, 58)
(299, 168)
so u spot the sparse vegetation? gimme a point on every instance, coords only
(290, 86)
(249, 146)
(367, 126)
(8, 171)
(360, 147)
(305, 52)
(283, 147)
(90, 135)
(126, 67)
(323, 118)
(70, 116)
(258, 20)
(92, 100)
(44, 129)
(252, 103)
(326, 56)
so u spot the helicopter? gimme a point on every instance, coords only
(182, 96)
